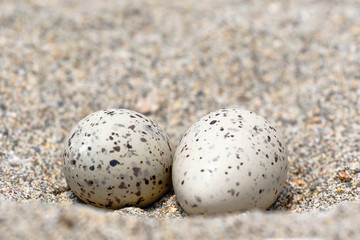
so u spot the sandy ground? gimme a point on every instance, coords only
(295, 62)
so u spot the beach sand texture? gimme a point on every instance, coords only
(297, 63)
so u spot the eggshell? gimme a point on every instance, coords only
(116, 158)
(230, 160)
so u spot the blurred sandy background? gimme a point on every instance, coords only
(295, 62)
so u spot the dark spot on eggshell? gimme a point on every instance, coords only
(169, 145)
(110, 113)
(232, 192)
(137, 171)
(213, 122)
(141, 199)
(91, 202)
(89, 182)
(148, 127)
(110, 203)
(114, 162)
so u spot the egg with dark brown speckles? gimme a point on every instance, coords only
(116, 158)
(230, 160)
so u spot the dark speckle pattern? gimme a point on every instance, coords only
(213, 122)
(118, 152)
(114, 162)
(230, 160)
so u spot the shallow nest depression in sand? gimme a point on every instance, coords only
(294, 62)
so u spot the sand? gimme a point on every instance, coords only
(297, 63)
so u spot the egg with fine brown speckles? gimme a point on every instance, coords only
(230, 160)
(116, 158)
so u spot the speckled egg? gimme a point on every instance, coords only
(116, 158)
(230, 160)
